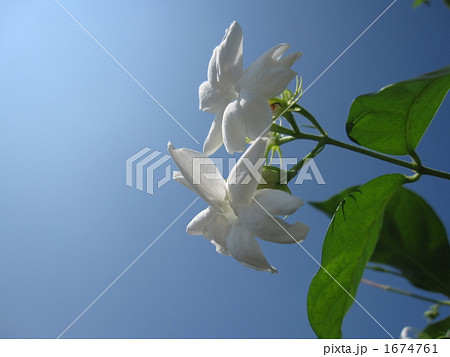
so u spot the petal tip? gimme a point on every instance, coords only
(298, 231)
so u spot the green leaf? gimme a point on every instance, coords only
(437, 330)
(417, 3)
(413, 240)
(329, 206)
(393, 120)
(349, 243)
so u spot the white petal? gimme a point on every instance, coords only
(218, 229)
(199, 223)
(233, 128)
(202, 175)
(212, 70)
(178, 177)
(209, 99)
(289, 60)
(277, 51)
(246, 250)
(269, 74)
(256, 111)
(214, 140)
(226, 64)
(277, 202)
(409, 332)
(230, 54)
(242, 181)
(270, 228)
(277, 80)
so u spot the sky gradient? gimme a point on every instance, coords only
(70, 116)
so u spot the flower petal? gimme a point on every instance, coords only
(199, 223)
(178, 177)
(246, 174)
(270, 228)
(214, 140)
(289, 60)
(226, 64)
(277, 51)
(233, 128)
(409, 332)
(270, 74)
(213, 70)
(256, 113)
(277, 202)
(246, 250)
(278, 78)
(202, 175)
(230, 55)
(218, 229)
(209, 98)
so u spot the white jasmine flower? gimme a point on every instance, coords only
(270, 74)
(409, 332)
(235, 215)
(224, 70)
(239, 99)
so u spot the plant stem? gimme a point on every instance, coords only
(297, 167)
(299, 109)
(410, 165)
(383, 270)
(404, 292)
(290, 118)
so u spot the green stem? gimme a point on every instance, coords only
(299, 109)
(383, 270)
(409, 165)
(290, 118)
(293, 171)
(404, 292)
(415, 157)
(324, 139)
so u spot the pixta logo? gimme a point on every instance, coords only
(147, 170)
(142, 166)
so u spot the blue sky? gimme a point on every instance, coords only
(70, 117)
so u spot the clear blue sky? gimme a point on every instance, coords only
(70, 117)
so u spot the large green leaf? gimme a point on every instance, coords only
(412, 239)
(437, 330)
(348, 245)
(330, 206)
(393, 120)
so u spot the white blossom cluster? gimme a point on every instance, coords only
(238, 212)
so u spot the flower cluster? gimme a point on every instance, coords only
(238, 211)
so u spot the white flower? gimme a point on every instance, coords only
(224, 70)
(235, 215)
(409, 332)
(270, 74)
(239, 99)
